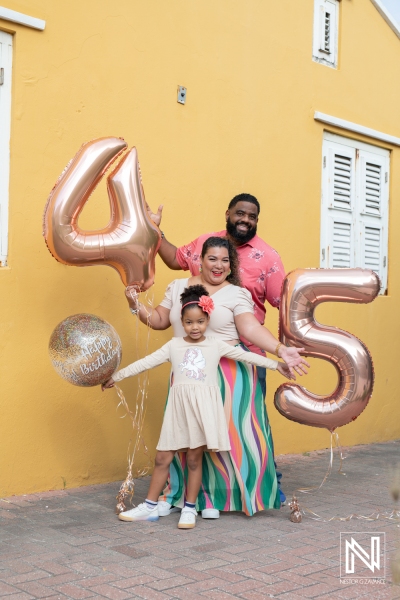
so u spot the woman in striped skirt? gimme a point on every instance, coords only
(243, 479)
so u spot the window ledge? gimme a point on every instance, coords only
(356, 128)
(16, 17)
(324, 61)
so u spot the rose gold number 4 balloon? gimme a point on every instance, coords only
(130, 241)
(303, 290)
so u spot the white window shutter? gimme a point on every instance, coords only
(338, 205)
(372, 201)
(341, 242)
(326, 29)
(342, 177)
(372, 248)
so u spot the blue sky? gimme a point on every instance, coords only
(393, 7)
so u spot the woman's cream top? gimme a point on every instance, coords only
(229, 301)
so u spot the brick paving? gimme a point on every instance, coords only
(70, 544)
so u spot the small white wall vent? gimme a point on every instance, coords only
(325, 34)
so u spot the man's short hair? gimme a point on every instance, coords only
(244, 198)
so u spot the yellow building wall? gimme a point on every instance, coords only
(112, 68)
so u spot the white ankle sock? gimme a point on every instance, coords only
(150, 504)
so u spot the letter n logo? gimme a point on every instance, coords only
(371, 560)
(368, 549)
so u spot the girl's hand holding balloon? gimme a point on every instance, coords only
(108, 384)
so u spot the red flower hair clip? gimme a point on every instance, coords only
(206, 304)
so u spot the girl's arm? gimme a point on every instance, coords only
(238, 353)
(251, 329)
(156, 318)
(148, 362)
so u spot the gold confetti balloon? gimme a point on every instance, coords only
(85, 350)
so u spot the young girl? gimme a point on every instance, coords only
(194, 418)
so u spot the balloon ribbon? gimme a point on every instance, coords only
(394, 515)
(137, 416)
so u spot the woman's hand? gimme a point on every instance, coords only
(108, 384)
(156, 318)
(285, 371)
(294, 361)
(132, 295)
(251, 329)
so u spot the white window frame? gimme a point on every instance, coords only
(325, 47)
(6, 46)
(363, 217)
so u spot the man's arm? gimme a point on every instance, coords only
(274, 282)
(167, 251)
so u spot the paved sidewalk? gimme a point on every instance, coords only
(70, 544)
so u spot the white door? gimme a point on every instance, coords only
(5, 127)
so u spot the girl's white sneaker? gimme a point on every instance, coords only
(140, 513)
(165, 508)
(188, 518)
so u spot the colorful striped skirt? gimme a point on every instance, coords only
(243, 479)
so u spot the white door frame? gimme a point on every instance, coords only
(6, 46)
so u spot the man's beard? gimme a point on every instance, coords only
(239, 236)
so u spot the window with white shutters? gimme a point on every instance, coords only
(355, 198)
(325, 33)
(5, 125)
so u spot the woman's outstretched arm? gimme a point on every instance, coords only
(237, 353)
(251, 329)
(156, 318)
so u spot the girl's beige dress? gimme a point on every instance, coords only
(194, 415)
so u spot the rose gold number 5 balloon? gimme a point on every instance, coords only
(130, 241)
(303, 290)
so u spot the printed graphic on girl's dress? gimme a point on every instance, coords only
(194, 363)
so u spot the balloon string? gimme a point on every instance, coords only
(137, 417)
(134, 293)
(334, 438)
(394, 515)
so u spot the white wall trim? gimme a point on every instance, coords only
(390, 20)
(342, 124)
(16, 17)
